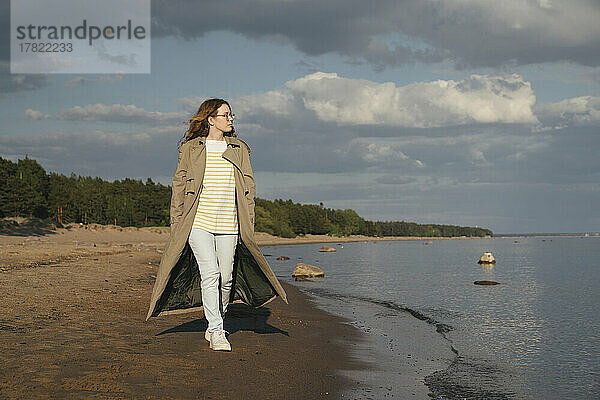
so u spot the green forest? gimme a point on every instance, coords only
(27, 190)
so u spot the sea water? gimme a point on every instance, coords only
(536, 335)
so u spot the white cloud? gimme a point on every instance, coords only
(277, 102)
(109, 113)
(386, 154)
(34, 115)
(576, 111)
(478, 99)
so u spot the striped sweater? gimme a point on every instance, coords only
(216, 210)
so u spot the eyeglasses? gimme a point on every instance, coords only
(227, 116)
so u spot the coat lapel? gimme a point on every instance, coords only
(197, 149)
(232, 152)
(198, 160)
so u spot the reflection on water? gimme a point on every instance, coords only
(487, 267)
(536, 332)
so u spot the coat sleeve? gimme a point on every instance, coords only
(250, 184)
(178, 189)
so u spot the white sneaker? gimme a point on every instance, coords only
(207, 335)
(218, 341)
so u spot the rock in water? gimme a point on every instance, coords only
(486, 283)
(327, 248)
(487, 258)
(307, 271)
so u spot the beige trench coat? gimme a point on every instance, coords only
(177, 286)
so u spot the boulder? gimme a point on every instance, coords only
(307, 271)
(327, 248)
(486, 283)
(487, 258)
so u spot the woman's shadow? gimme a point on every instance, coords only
(239, 317)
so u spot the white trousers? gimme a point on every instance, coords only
(214, 253)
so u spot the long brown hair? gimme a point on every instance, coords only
(198, 124)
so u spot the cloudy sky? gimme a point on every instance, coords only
(466, 112)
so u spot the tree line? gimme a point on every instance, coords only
(26, 190)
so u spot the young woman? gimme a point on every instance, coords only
(211, 258)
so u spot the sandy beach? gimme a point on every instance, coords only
(72, 326)
(74, 302)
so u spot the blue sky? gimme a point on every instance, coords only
(467, 113)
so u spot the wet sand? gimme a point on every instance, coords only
(72, 326)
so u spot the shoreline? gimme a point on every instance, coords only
(403, 351)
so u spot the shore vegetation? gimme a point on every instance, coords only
(27, 190)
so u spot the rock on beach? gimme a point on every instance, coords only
(487, 258)
(303, 270)
(327, 248)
